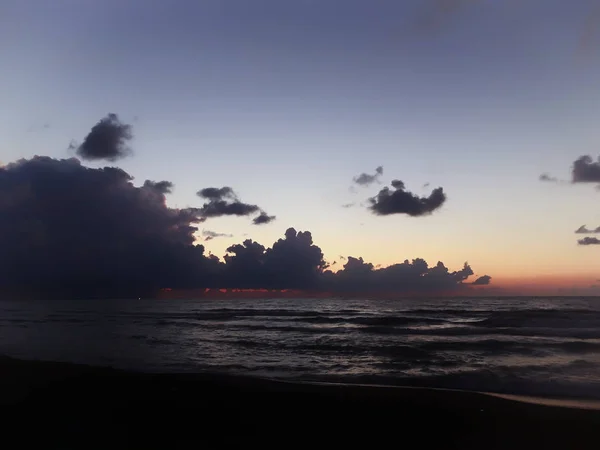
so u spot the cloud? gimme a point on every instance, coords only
(407, 277)
(400, 201)
(583, 230)
(163, 187)
(219, 208)
(225, 202)
(589, 241)
(212, 193)
(263, 218)
(210, 235)
(107, 140)
(586, 170)
(548, 178)
(483, 280)
(348, 205)
(365, 179)
(69, 231)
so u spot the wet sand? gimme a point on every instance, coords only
(61, 405)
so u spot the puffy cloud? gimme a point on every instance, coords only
(401, 201)
(209, 235)
(213, 193)
(107, 140)
(69, 231)
(219, 208)
(407, 277)
(163, 187)
(224, 202)
(365, 179)
(584, 230)
(586, 170)
(263, 218)
(589, 241)
(483, 280)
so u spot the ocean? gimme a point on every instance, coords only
(525, 346)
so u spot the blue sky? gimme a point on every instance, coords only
(287, 101)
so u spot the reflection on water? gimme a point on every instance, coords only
(541, 346)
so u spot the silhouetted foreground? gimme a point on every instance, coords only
(70, 406)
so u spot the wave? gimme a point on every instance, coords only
(501, 381)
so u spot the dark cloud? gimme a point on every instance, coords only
(263, 218)
(213, 193)
(68, 231)
(589, 241)
(163, 187)
(365, 179)
(225, 202)
(483, 280)
(548, 178)
(584, 230)
(408, 277)
(107, 140)
(219, 208)
(400, 201)
(209, 235)
(586, 170)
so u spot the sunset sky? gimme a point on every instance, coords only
(287, 101)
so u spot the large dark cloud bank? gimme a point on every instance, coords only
(70, 231)
(67, 230)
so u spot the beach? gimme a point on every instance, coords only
(61, 405)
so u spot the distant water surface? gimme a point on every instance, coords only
(526, 346)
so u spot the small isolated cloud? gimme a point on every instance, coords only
(586, 170)
(225, 202)
(348, 205)
(263, 218)
(584, 230)
(107, 140)
(401, 201)
(164, 187)
(209, 235)
(212, 193)
(589, 241)
(365, 179)
(548, 178)
(482, 280)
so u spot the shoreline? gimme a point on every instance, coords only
(556, 401)
(74, 406)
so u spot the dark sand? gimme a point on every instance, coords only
(70, 406)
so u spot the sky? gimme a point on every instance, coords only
(289, 102)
